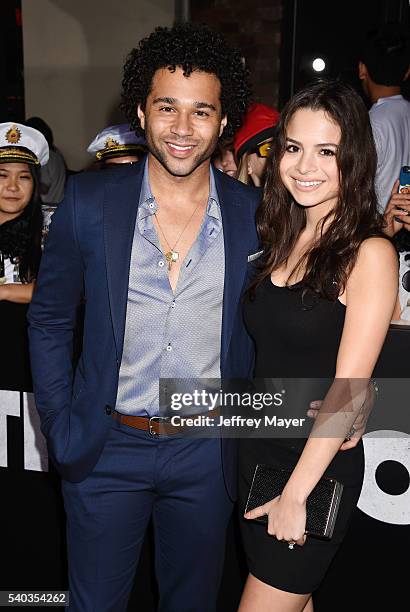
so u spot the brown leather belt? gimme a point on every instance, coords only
(156, 425)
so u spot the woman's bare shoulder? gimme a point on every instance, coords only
(377, 257)
(377, 250)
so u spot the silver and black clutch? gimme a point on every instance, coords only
(321, 507)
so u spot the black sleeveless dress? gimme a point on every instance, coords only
(295, 337)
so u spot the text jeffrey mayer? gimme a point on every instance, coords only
(236, 421)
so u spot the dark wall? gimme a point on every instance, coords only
(280, 38)
(254, 26)
(311, 29)
(11, 62)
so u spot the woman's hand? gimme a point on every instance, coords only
(359, 426)
(286, 518)
(397, 208)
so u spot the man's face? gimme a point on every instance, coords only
(182, 119)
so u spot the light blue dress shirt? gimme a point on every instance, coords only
(171, 334)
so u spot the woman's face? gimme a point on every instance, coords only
(16, 188)
(308, 167)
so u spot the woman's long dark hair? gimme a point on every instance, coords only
(20, 238)
(280, 219)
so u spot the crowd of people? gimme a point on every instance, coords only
(276, 260)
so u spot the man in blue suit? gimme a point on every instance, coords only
(158, 251)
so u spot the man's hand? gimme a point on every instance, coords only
(397, 214)
(359, 426)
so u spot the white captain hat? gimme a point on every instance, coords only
(117, 141)
(20, 143)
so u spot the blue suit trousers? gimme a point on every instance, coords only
(179, 482)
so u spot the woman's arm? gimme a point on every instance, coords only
(371, 295)
(14, 292)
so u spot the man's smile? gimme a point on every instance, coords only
(180, 150)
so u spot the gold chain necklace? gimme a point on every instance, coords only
(172, 255)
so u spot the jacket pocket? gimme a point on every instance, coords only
(254, 256)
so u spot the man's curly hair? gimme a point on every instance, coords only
(191, 47)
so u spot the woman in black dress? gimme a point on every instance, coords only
(320, 306)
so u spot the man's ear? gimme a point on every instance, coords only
(363, 74)
(224, 121)
(141, 116)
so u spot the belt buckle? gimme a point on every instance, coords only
(156, 419)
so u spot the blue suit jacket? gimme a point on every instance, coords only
(88, 252)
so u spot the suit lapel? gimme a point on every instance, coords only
(120, 213)
(236, 220)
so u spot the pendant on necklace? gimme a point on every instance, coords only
(171, 256)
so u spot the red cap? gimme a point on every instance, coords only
(257, 126)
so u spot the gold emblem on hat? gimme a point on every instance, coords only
(13, 135)
(110, 142)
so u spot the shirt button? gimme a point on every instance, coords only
(151, 205)
(161, 263)
(169, 348)
(173, 304)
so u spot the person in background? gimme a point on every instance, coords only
(22, 151)
(224, 158)
(397, 226)
(251, 143)
(53, 175)
(117, 144)
(383, 66)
